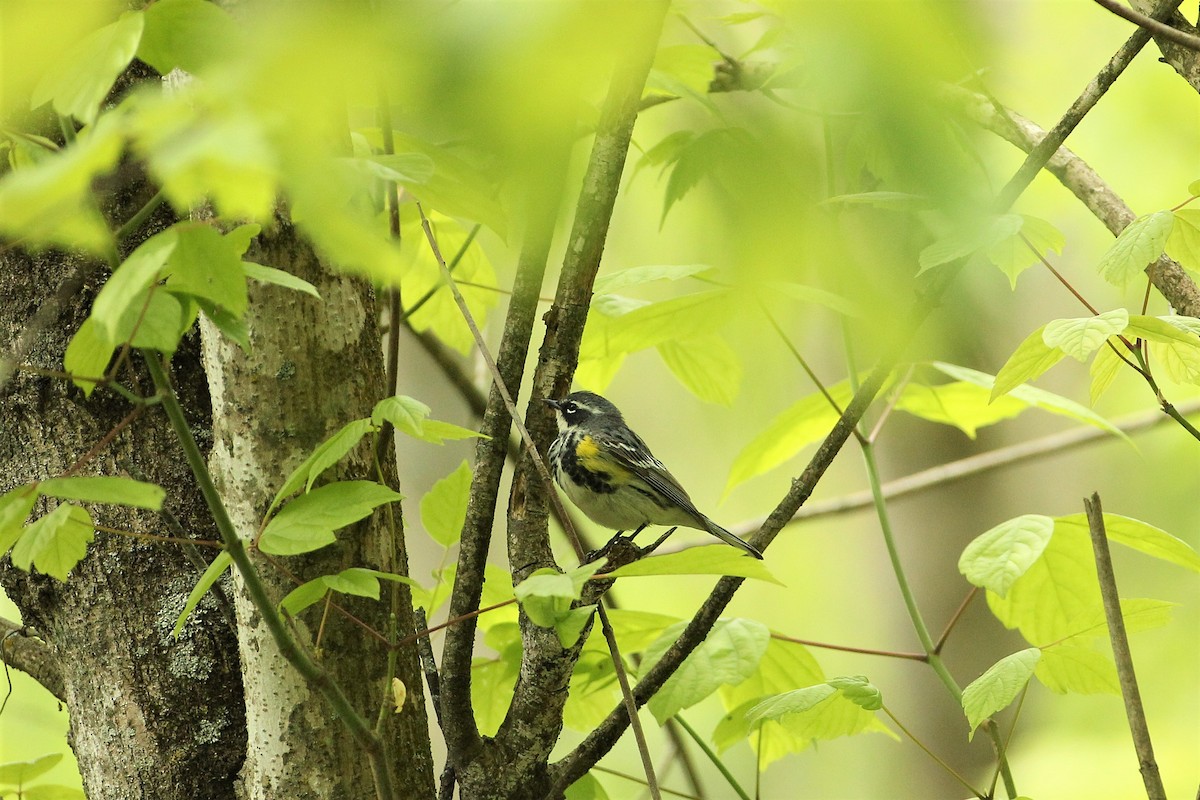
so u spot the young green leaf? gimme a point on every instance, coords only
(208, 265)
(56, 542)
(992, 691)
(1031, 358)
(1103, 369)
(683, 317)
(308, 522)
(1077, 669)
(794, 702)
(961, 243)
(893, 200)
(278, 277)
(547, 594)
(997, 558)
(1080, 337)
(1140, 536)
(15, 506)
(1141, 242)
(811, 294)
(963, 404)
(1013, 256)
(804, 422)
(79, 80)
(571, 625)
(405, 168)
(357, 581)
(188, 34)
(19, 773)
(783, 667)
(1183, 244)
(716, 559)
(125, 288)
(103, 489)
(586, 788)
(328, 453)
(435, 431)
(706, 366)
(444, 508)
(492, 682)
(406, 414)
(87, 356)
(211, 575)
(638, 276)
(729, 655)
(860, 691)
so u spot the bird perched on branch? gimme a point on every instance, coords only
(611, 475)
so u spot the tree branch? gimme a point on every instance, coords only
(1076, 175)
(1152, 25)
(1121, 653)
(21, 649)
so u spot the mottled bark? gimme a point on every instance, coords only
(314, 366)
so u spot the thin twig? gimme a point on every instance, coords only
(154, 537)
(712, 757)
(1152, 25)
(941, 642)
(866, 651)
(1121, 653)
(627, 695)
(933, 755)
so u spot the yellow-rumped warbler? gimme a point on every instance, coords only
(611, 475)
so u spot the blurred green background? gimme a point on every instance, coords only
(511, 74)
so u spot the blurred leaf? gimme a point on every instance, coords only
(208, 265)
(683, 317)
(897, 200)
(444, 507)
(492, 683)
(308, 522)
(698, 158)
(51, 791)
(963, 242)
(1077, 669)
(961, 404)
(665, 152)
(1013, 256)
(638, 276)
(1140, 536)
(1029, 395)
(997, 558)
(80, 80)
(105, 489)
(279, 278)
(636, 630)
(1183, 244)
(403, 168)
(716, 559)
(1141, 242)
(19, 773)
(56, 542)
(706, 366)
(1080, 337)
(995, 689)
(188, 34)
(586, 788)
(770, 740)
(211, 575)
(1031, 358)
(811, 294)
(728, 655)
(52, 204)
(690, 64)
(805, 422)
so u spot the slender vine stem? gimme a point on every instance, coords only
(713, 757)
(933, 755)
(289, 648)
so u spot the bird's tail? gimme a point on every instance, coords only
(727, 537)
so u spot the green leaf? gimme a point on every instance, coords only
(684, 317)
(231, 327)
(435, 431)
(697, 158)
(963, 242)
(997, 558)
(1140, 536)
(19, 773)
(208, 265)
(1138, 614)
(1077, 669)
(114, 490)
(962, 404)
(728, 655)
(188, 34)
(357, 581)
(278, 277)
(79, 80)
(1103, 369)
(406, 414)
(1031, 358)
(691, 64)
(860, 691)
(1183, 244)
(803, 423)
(892, 200)
(706, 366)
(635, 630)
(783, 666)
(56, 542)
(87, 356)
(586, 788)
(1140, 243)
(992, 691)
(794, 702)
(405, 168)
(571, 626)
(51, 791)
(717, 559)
(444, 508)
(638, 276)
(51, 203)
(1013, 256)
(492, 683)
(328, 453)
(547, 594)
(1080, 337)
(15, 507)
(811, 294)
(125, 289)
(308, 522)
(211, 575)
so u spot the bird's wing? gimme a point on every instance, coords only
(628, 450)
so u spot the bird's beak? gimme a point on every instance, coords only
(555, 404)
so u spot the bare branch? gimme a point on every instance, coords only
(1152, 25)
(20, 648)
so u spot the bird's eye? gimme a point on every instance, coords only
(569, 408)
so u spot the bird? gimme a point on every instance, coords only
(609, 473)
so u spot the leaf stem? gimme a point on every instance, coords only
(933, 755)
(712, 757)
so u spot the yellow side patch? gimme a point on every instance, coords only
(587, 452)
